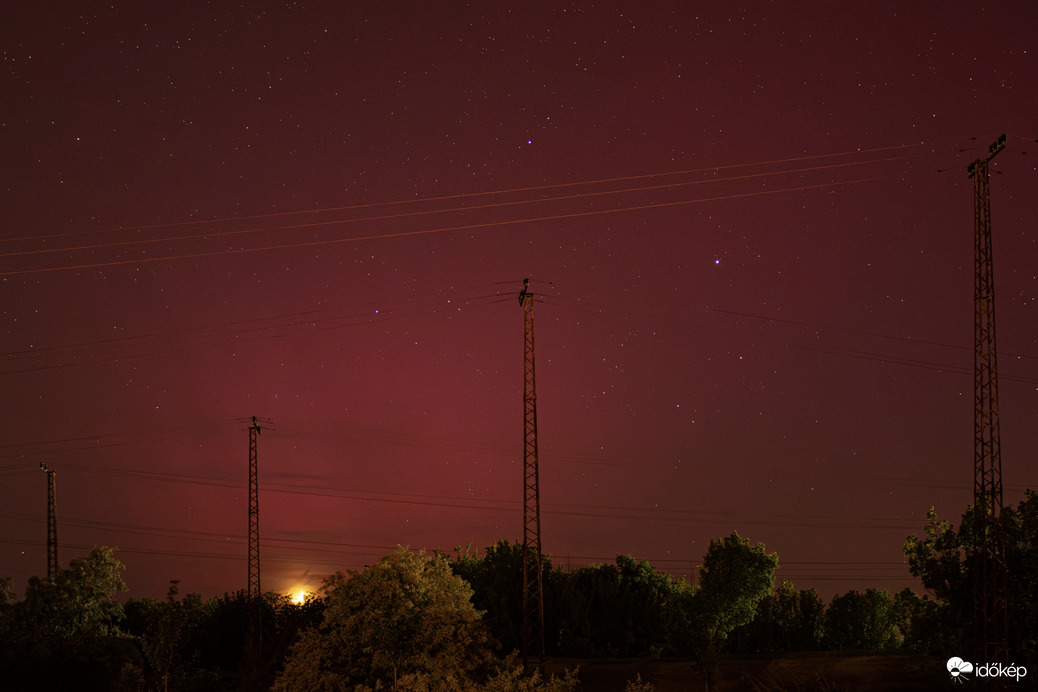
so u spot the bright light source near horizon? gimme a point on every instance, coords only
(299, 597)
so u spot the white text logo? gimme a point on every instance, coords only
(960, 670)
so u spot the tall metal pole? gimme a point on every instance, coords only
(254, 631)
(52, 526)
(989, 593)
(533, 589)
(254, 558)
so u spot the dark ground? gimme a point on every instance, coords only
(805, 672)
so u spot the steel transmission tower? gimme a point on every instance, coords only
(254, 556)
(989, 591)
(52, 526)
(533, 589)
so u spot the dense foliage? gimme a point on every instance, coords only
(948, 563)
(407, 614)
(73, 634)
(78, 603)
(229, 643)
(433, 623)
(626, 609)
(69, 621)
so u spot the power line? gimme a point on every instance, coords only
(533, 188)
(614, 512)
(355, 318)
(892, 337)
(428, 231)
(428, 212)
(378, 312)
(333, 559)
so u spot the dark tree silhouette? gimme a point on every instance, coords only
(945, 559)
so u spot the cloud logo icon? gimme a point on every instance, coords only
(957, 667)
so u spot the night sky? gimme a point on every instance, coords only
(748, 229)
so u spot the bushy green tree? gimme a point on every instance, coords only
(77, 603)
(619, 610)
(644, 595)
(496, 579)
(680, 637)
(195, 644)
(919, 621)
(590, 616)
(1021, 527)
(626, 609)
(947, 562)
(861, 621)
(65, 634)
(939, 560)
(7, 607)
(171, 630)
(162, 642)
(788, 619)
(734, 578)
(406, 614)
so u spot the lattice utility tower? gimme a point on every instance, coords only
(254, 590)
(989, 592)
(52, 526)
(533, 589)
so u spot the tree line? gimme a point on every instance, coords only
(438, 621)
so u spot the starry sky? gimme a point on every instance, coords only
(748, 230)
